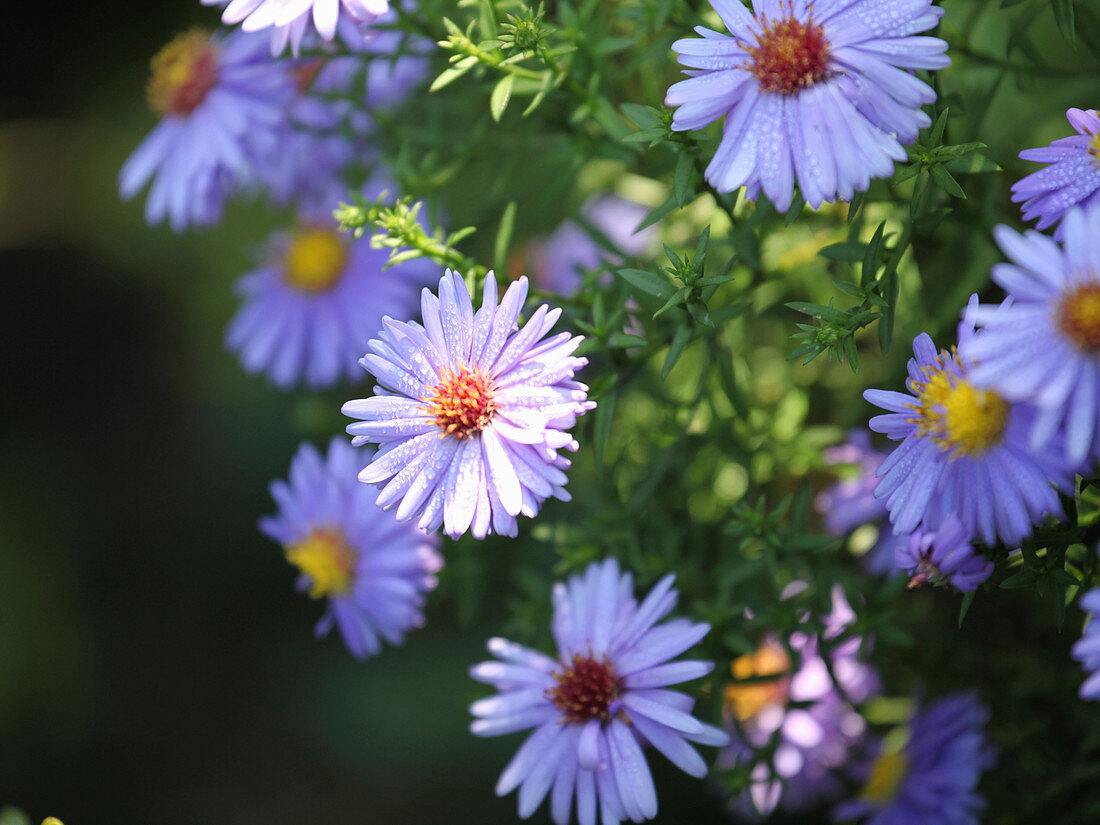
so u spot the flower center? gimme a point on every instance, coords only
(1079, 316)
(315, 259)
(462, 402)
(959, 418)
(183, 72)
(789, 56)
(586, 689)
(748, 699)
(885, 779)
(1094, 147)
(325, 557)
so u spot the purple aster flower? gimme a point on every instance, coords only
(963, 451)
(221, 101)
(559, 260)
(326, 135)
(932, 779)
(851, 503)
(373, 569)
(946, 555)
(818, 91)
(1042, 345)
(1087, 648)
(599, 703)
(470, 412)
(814, 739)
(309, 311)
(292, 20)
(1071, 179)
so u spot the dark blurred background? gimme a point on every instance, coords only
(155, 662)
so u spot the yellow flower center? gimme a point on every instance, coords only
(1079, 316)
(885, 779)
(748, 699)
(325, 557)
(462, 402)
(182, 73)
(961, 419)
(1094, 147)
(316, 259)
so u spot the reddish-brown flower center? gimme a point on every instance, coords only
(462, 402)
(306, 72)
(789, 56)
(585, 690)
(1079, 316)
(183, 72)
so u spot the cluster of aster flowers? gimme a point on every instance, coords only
(471, 408)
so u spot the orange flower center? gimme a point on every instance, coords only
(1079, 316)
(585, 690)
(182, 74)
(789, 56)
(462, 402)
(748, 698)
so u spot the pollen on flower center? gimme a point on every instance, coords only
(1094, 147)
(462, 402)
(1079, 316)
(586, 689)
(183, 72)
(959, 418)
(315, 259)
(325, 557)
(886, 775)
(789, 56)
(748, 699)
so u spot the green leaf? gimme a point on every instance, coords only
(871, 257)
(681, 180)
(625, 339)
(1025, 578)
(504, 238)
(657, 214)
(851, 251)
(947, 183)
(676, 349)
(448, 76)
(889, 291)
(1063, 16)
(968, 599)
(605, 413)
(502, 93)
(936, 136)
(644, 116)
(648, 282)
(854, 204)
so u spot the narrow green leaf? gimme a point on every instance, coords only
(676, 349)
(648, 282)
(625, 339)
(658, 213)
(938, 128)
(681, 180)
(502, 93)
(854, 204)
(605, 413)
(964, 608)
(871, 257)
(504, 238)
(889, 291)
(448, 76)
(947, 183)
(851, 251)
(1063, 16)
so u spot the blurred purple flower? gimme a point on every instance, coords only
(818, 92)
(596, 706)
(310, 310)
(964, 451)
(1042, 345)
(814, 740)
(851, 503)
(373, 569)
(222, 102)
(326, 138)
(933, 779)
(1087, 649)
(559, 260)
(1071, 179)
(292, 21)
(470, 412)
(944, 555)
